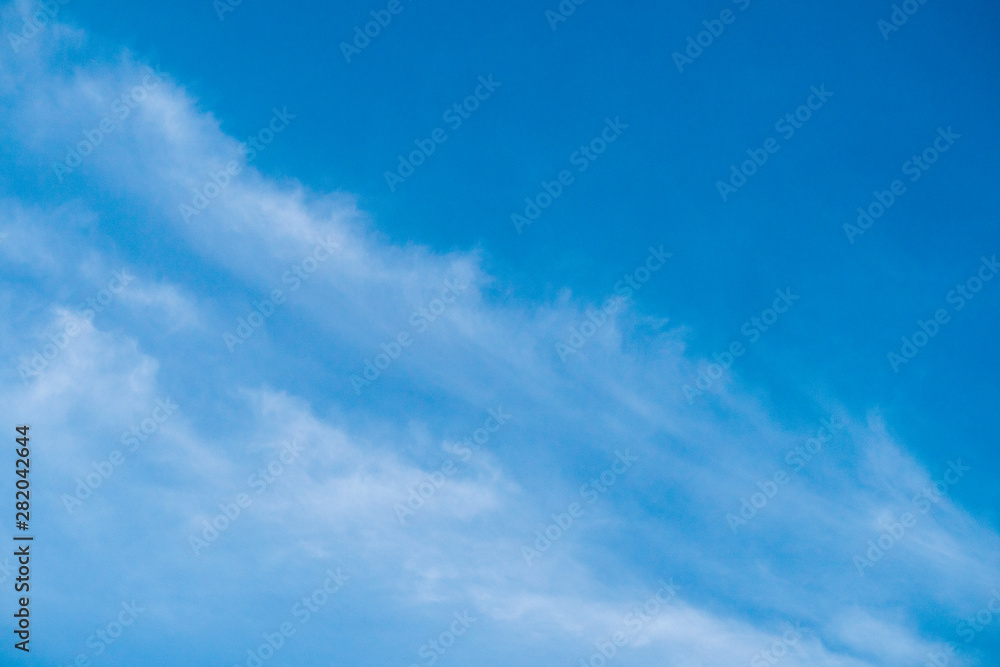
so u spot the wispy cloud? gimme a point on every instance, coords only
(358, 457)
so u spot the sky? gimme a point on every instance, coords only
(533, 333)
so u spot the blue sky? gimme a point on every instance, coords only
(388, 394)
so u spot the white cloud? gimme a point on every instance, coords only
(337, 500)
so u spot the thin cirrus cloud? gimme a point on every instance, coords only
(365, 448)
